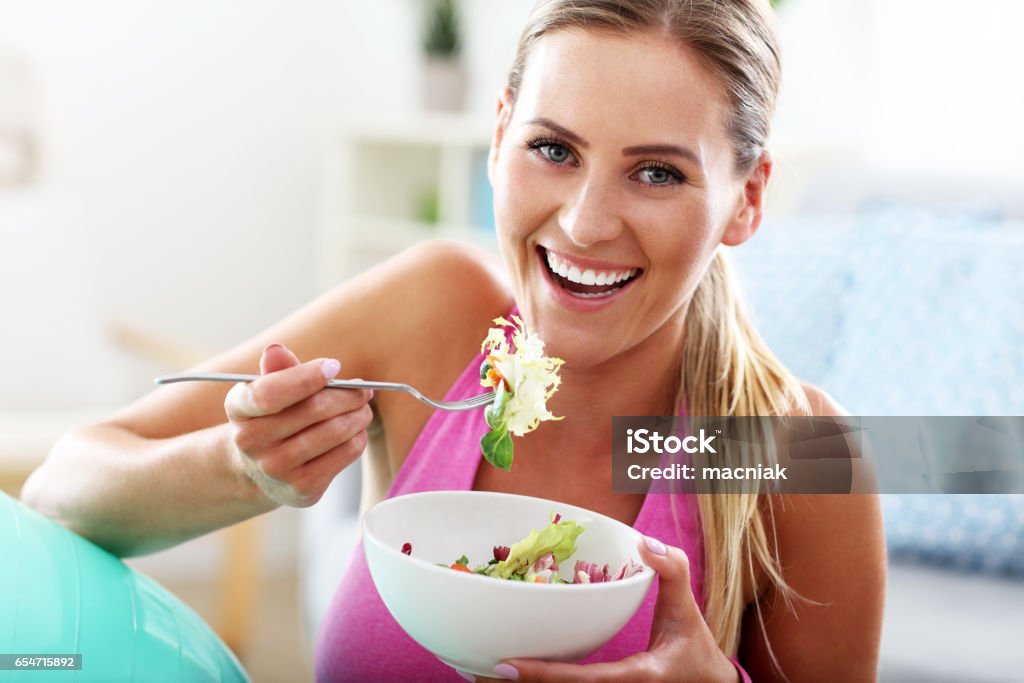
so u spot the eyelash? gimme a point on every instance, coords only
(537, 144)
(668, 168)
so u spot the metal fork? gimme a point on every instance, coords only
(471, 403)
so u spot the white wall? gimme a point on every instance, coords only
(183, 144)
(911, 88)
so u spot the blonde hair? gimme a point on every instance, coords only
(727, 369)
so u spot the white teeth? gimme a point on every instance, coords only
(595, 295)
(587, 276)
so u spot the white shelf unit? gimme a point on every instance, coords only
(393, 182)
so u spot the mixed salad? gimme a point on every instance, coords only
(523, 380)
(536, 558)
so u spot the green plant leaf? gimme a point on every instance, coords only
(442, 37)
(496, 445)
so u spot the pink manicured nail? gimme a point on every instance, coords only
(507, 671)
(655, 546)
(331, 368)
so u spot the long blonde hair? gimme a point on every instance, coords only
(727, 369)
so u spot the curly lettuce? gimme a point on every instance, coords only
(523, 379)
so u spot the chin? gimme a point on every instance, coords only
(580, 348)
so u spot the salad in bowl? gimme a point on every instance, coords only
(580, 571)
(536, 558)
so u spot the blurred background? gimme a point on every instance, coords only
(175, 177)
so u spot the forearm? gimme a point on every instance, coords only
(134, 496)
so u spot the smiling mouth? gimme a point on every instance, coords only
(586, 283)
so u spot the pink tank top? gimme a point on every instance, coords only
(360, 641)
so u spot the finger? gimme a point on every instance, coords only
(676, 611)
(323, 405)
(636, 667)
(316, 475)
(277, 357)
(273, 392)
(316, 440)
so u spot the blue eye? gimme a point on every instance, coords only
(555, 153)
(659, 175)
(552, 150)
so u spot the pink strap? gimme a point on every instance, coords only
(744, 676)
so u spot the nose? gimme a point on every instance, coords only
(591, 215)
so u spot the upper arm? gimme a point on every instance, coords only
(832, 554)
(380, 324)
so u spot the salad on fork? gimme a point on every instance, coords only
(523, 379)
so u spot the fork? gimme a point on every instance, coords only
(471, 403)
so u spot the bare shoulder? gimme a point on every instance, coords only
(446, 286)
(831, 551)
(807, 514)
(821, 402)
(430, 297)
(430, 301)
(440, 298)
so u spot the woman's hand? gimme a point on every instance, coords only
(681, 647)
(290, 433)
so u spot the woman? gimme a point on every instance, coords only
(629, 148)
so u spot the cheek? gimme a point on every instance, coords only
(676, 237)
(521, 203)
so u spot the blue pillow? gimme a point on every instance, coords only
(934, 323)
(978, 533)
(797, 279)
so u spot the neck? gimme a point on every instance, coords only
(644, 380)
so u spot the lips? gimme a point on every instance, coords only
(586, 279)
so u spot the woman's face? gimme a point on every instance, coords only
(613, 185)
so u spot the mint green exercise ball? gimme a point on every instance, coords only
(60, 595)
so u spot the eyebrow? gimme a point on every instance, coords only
(634, 150)
(561, 130)
(684, 152)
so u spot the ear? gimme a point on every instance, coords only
(750, 206)
(501, 119)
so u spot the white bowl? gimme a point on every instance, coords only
(472, 622)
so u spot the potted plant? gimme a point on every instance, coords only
(444, 79)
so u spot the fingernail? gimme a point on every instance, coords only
(272, 346)
(330, 368)
(507, 671)
(655, 546)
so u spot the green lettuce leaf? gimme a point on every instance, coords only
(558, 539)
(496, 446)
